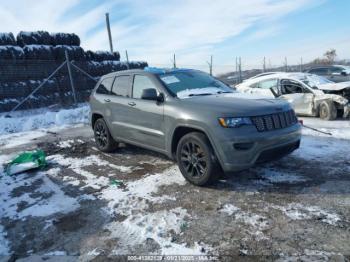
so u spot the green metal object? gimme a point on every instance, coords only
(26, 161)
(115, 182)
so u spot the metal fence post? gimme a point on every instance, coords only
(71, 77)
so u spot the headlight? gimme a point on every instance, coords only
(229, 122)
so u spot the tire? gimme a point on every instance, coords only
(196, 159)
(327, 110)
(103, 138)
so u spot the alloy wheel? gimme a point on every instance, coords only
(101, 135)
(193, 159)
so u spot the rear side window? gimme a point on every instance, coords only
(267, 84)
(105, 86)
(121, 86)
(141, 83)
(319, 71)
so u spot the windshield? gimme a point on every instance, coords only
(189, 83)
(314, 81)
(346, 69)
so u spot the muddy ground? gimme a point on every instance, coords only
(88, 205)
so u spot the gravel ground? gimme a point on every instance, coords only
(88, 205)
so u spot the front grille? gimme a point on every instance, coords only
(274, 121)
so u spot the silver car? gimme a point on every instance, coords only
(310, 95)
(193, 118)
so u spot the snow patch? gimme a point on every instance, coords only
(42, 118)
(338, 128)
(44, 198)
(133, 200)
(56, 253)
(138, 228)
(13, 140)
(65, 144)
(4, 244)
(198, 91)
(77, 165)
(257, 223)
(277, 177)
(229, 209)
(137, 193)
(312, 148)
(296, 211)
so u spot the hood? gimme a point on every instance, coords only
(334, 86)
(238, 104)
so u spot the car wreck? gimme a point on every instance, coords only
(310, 95)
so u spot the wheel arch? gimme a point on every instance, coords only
(182, 130)
(94, 117)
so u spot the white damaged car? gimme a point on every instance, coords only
(310, 95)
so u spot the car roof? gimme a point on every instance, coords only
(327, 66)
(293, 75)
(148, 70)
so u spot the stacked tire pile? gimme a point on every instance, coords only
(31, 57)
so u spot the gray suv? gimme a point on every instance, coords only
(193, 118)
(335, 73)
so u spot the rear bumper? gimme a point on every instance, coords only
(270, 146)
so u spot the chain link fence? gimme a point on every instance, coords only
(29, 84)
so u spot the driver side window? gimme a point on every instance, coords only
(140, 83)
(291, 87)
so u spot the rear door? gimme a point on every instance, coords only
(298, 96)
(265, 88)
(119, 107)
(146, 116)
(103, 97)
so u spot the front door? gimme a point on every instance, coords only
(300, 98)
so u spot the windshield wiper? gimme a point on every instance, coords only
(203, 94)
(208, 94)
(224, 92)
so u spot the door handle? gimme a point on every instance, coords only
(107, 100)
(132, 104)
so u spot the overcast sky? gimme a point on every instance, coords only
(153, 30)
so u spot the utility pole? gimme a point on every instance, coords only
(127, 58)
(301, 64)
(240, 69)
(174, 61)
(236, 68)
(264, 64)
(210, 65)
(109, 33)
(285, 64)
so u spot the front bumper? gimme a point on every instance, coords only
(242, 153)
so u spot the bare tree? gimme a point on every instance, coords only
(330, 55)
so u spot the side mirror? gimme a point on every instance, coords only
(151, 94)
(343, 73)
